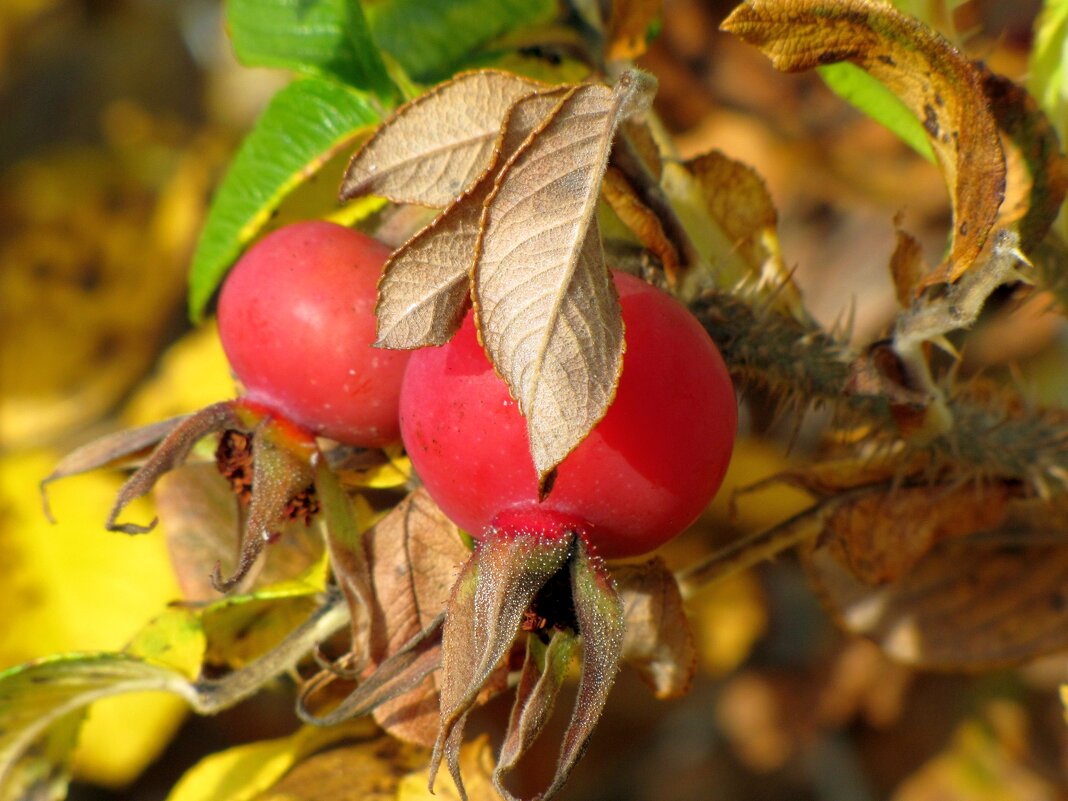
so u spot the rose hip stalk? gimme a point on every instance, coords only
(296, 320)
(643, 474)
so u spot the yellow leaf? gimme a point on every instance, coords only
(476, 766)
(244, 772)
(76, 587)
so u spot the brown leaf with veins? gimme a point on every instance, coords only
(546, 309)
(415, 553)
(938, 84)
(435, 147)
(882, 535)
(424, 285)
(988, 600)
(658, 641)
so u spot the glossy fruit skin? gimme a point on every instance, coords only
(296, 320)
(644, 473)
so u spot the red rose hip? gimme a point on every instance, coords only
(296, 319)
(644, 473)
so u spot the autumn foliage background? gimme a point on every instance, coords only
(119, 118)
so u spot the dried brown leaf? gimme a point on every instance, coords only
(369, 770)
(938, 84)
(628, 27)
(424, 285)
(640, 219)
(744, 226)
(658, 642)
(907, 267)
(1037, 173)
(880, 537)
(546, 308)
(415, 553)
(992, 599)
(435, 147)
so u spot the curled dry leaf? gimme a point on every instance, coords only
(907, 267)
(415, 553)
(881, 535)
(1037, 174)
(744, 237)
(658, 641)
(546, 309)
(424, 285)
(641, 220)
(435, 147)
(938, 84)
(991, 599)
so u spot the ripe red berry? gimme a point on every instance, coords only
(644, 473)
(296, 319)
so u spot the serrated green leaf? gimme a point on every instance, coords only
(431, 40)
(316, 37)
(305, 124)
(871, 97)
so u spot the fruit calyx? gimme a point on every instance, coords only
(532, 575)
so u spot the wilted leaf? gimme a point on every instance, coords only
(370, 770)
(1037, 175)
(991, 599)
(415, 553)
(882, 535)
(907, 267)
(744, 237)
(941, 87)
(304, 125)
(641, 220)
(424, 286)
(546, 309)
(628, 28)
(324, 37)
(658, 639)
(435, 147)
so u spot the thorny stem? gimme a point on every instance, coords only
(760, 546)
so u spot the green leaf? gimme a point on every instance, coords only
(315, 37)
(305, 124)
(430, 40)
(868, 95)
(1047, 70)
(37, 695)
